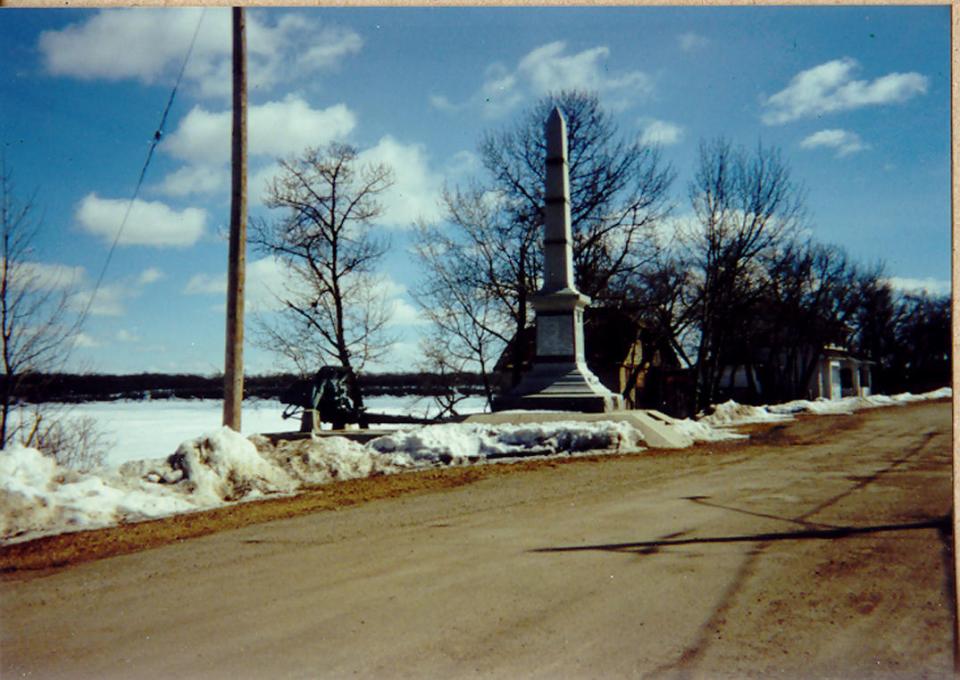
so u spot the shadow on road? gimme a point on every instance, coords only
(941, 524)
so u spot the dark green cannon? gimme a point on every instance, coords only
(322, 398)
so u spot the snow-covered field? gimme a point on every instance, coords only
(150, 429)
(160, 466)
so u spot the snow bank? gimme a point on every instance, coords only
(38, 497)
(848, 405)
(704, 432)
(327, 459)
(732, 413)
(459, 444)
(217, 467)
(942, 393)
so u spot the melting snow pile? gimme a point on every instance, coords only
(701, 431)
(848, 405)
(732, 413)
(39, 497)
(468, 443)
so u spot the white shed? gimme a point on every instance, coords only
(839, 374)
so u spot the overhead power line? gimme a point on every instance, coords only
(157, 136)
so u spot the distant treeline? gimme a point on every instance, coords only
(67, 387)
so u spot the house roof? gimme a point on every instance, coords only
(837, 352)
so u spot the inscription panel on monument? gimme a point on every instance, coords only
(578, 325)
(554, 335)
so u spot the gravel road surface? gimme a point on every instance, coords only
(820, 549)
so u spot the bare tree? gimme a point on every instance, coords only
(35, 321)
(469, 326)
(809, 296)
(877, 324)
(923, 347)
(492, 237)
(908, 334)
(658, 300)
(37, 330)
(618, 187)
(333, 308)
(745, 205)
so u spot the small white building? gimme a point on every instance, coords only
(839, 374)
(835, 374)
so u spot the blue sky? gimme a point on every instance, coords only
(857, 99)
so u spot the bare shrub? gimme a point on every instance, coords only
(75, 442)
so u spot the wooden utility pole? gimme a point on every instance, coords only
(236, 265)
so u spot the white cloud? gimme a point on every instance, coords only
(276, 128)
(461, 164)
(661, 132)
(390, 288)
(500, 92)
(202, 284)
(149, 275)
(195, 179)
(404, 355)
(843, 142)
(439, 101)
(150, 223)
(551, 68)
(81, 339)
(48, 276)
(928, 285)
(548, 68)
(830, 87)
(110, 45)
(405, 314)
(283, 127)
(124, 335)
(676, 226)
(416, 190)
(691, 41)
(394, 295)
(110, 299)
(266, 279)
(269, 281)
(330, 47)
(203, 136)
(107, 301)
(259, 180)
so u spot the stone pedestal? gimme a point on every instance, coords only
(559, 378)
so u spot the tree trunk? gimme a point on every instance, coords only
(519, 345)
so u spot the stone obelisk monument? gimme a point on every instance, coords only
(559, 378)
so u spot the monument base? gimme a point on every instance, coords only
(550, 386)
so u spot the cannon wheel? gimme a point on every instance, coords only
(290, 410)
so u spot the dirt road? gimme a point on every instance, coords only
(820, 550)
